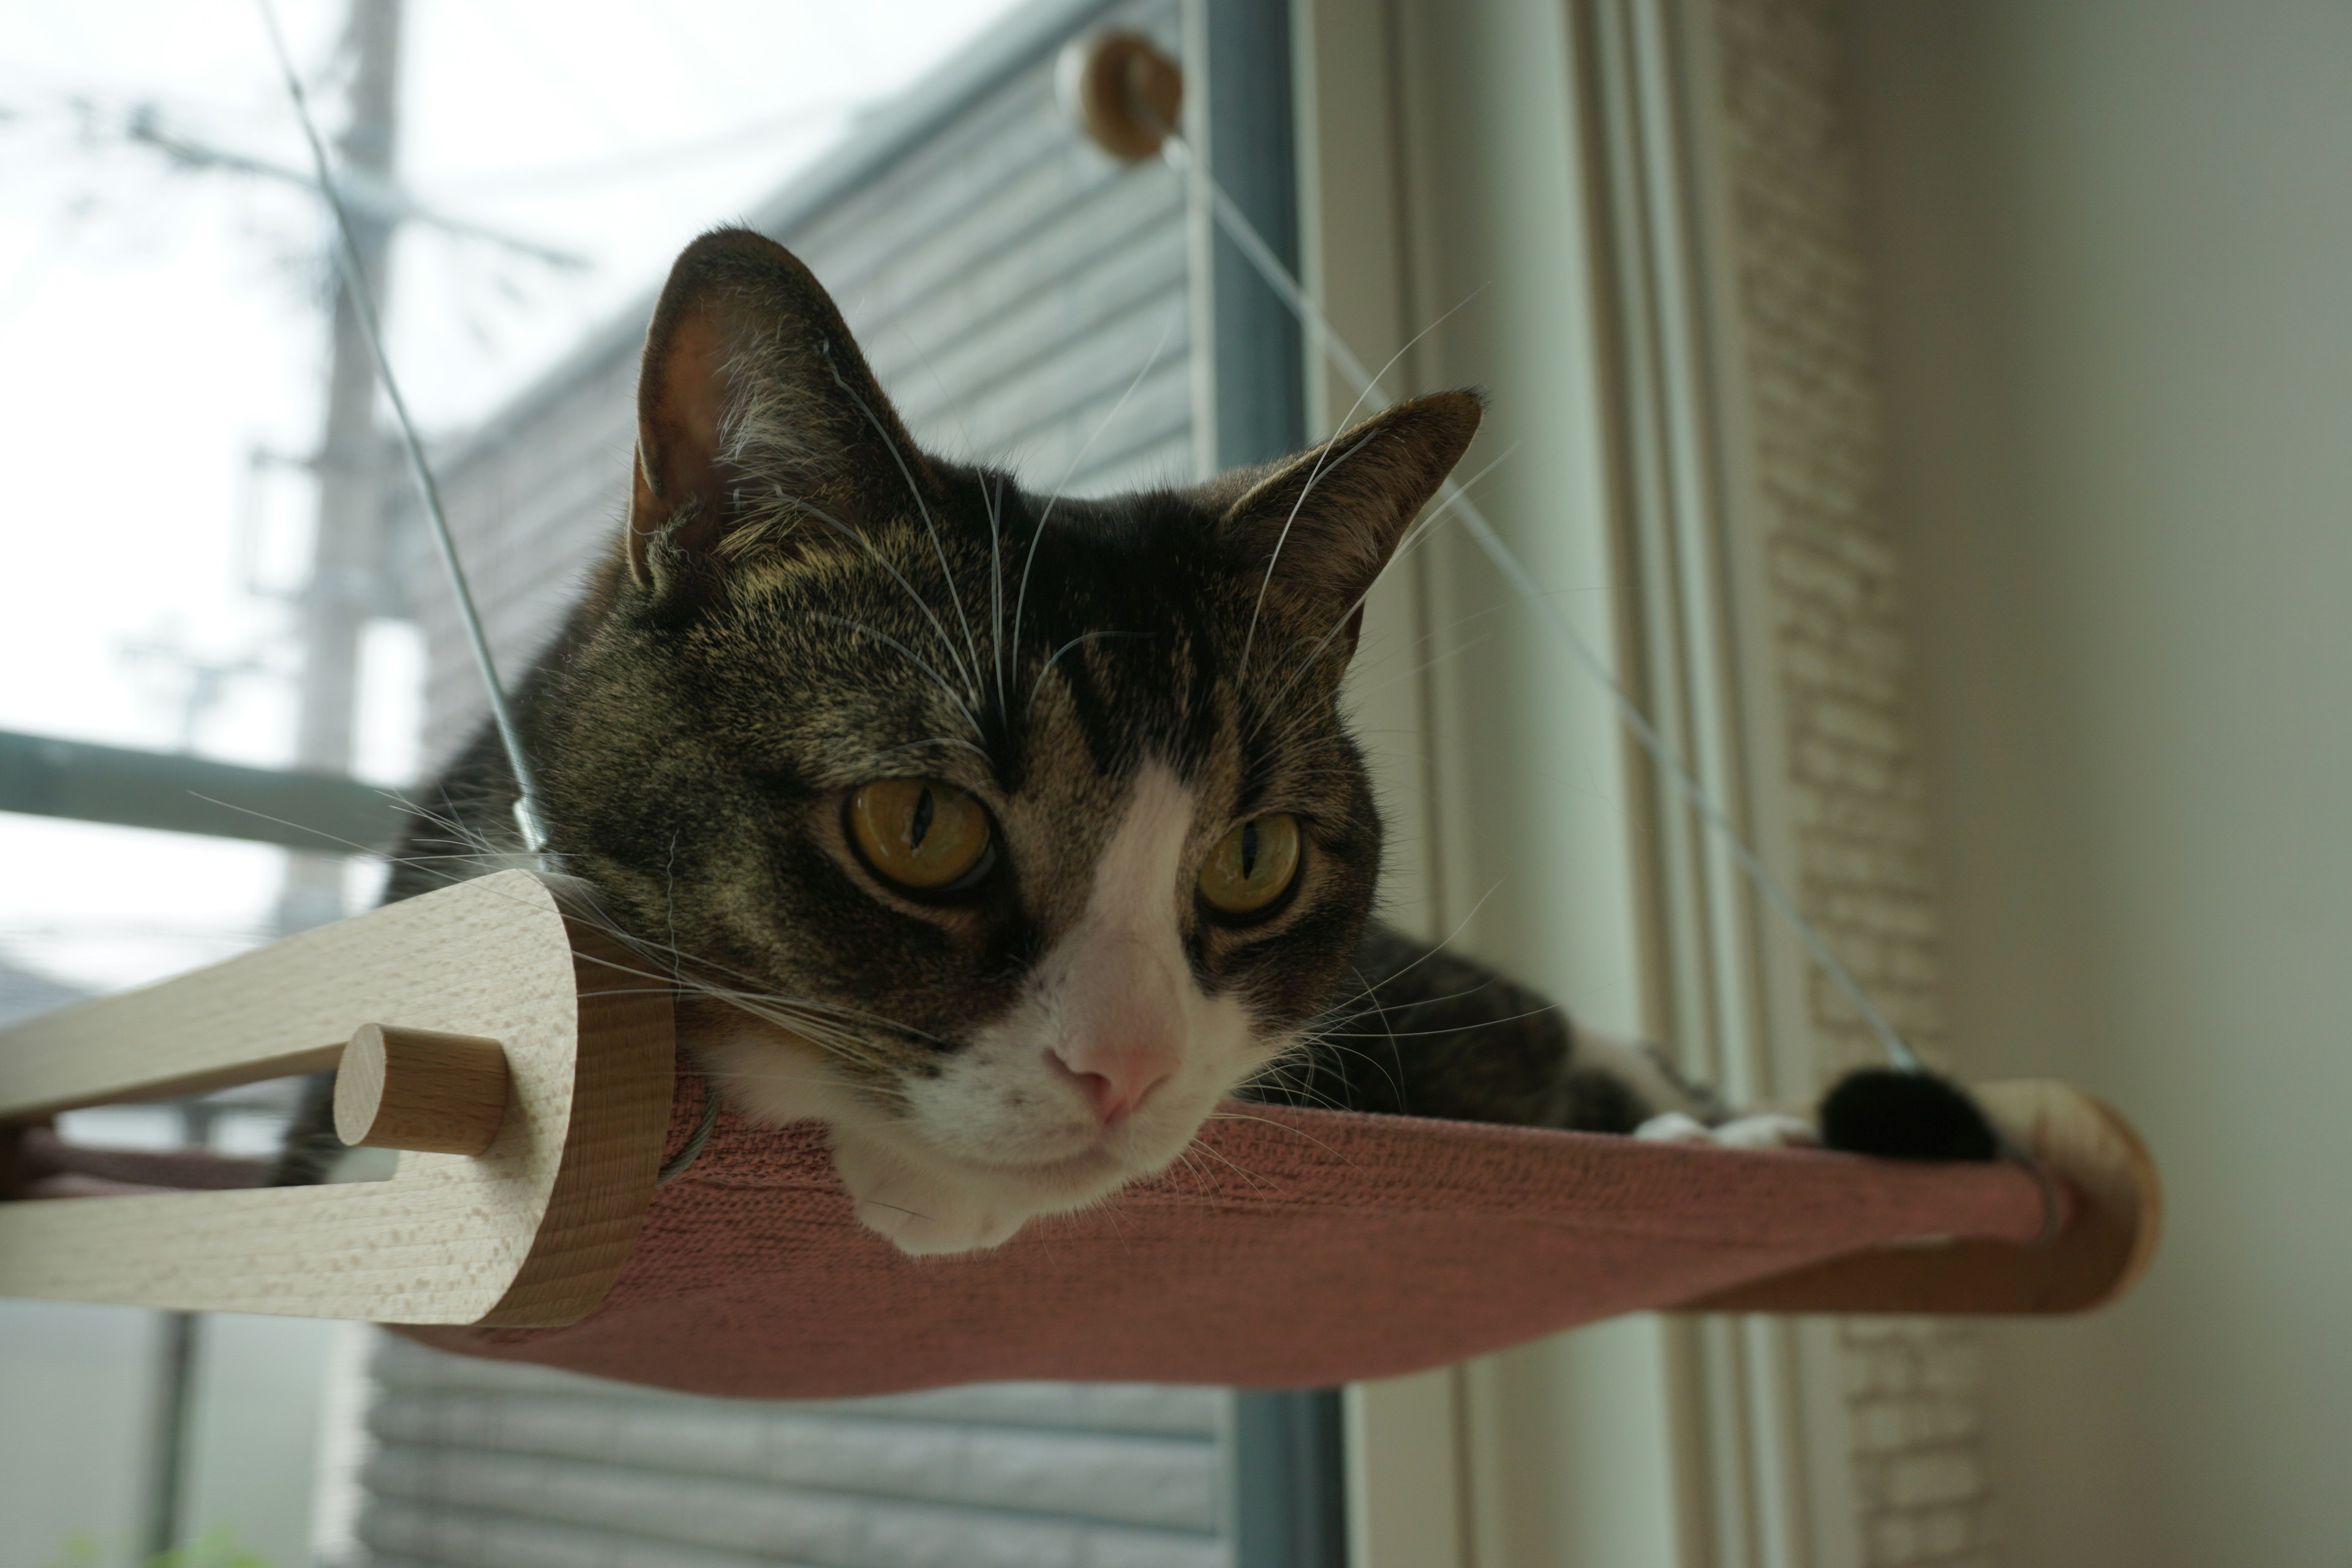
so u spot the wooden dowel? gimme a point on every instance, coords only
(420, 1090)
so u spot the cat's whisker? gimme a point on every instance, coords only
(1427, 526)
(1459, 926)
(1280, 1074)
(818, 1032)
(799, 1014)
(1373, 1005)
(995, 501)
(323, 835)
(1274, 556)
(1037, 533)
(947, 572)
(1313, 475)
(916, 660)
(950, 741)
(954, 404)
(1396, 1081)
(1286, 1127)
(1372, 660)
(1083, 638)
(1328, 1034)
(858, 536)
(1254, 1180)
(669, 897)
(1365, 393)
(804, 1016)
(1428, 664)
(731, 1076)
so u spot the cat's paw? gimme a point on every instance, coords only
(1766, 1130)
(922, 1212)
(945, 1223)
(1905, 1116)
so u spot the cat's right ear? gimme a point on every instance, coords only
(758, 420)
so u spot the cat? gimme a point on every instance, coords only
(1004, 834)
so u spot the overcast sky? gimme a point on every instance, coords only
(159, 326)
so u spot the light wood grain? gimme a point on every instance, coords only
(530, 1232)
(425, 1090)
(2105, 1249)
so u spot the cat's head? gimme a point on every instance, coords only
(1021, 830)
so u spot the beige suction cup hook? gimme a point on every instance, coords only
(1122, 91)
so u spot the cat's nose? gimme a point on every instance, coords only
(1114, 1080)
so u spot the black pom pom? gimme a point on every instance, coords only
(1905, 1116)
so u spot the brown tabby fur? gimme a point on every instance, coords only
(803, 602)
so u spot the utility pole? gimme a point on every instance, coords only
(343, 591)
(346, 549)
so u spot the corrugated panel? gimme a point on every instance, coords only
(1024, 300)
(489, 1465)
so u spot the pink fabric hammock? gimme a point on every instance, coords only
(1304, 1247)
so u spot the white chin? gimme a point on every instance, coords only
(927, 1204)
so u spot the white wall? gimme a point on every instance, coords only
(2116, 260)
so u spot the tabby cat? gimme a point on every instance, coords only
(1005, 834)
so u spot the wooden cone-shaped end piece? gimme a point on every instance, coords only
(421, 1089)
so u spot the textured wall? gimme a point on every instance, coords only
(1856, 779)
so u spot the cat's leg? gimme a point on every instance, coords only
(1421, 1032)
(1687, 1112)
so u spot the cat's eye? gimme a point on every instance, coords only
(920, 834)
(1252, 865)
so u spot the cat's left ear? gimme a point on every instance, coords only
(1317, 529)
(758, 421)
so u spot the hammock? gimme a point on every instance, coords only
(1299, 1247)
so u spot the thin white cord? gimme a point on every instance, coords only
(347, 254)
(1238, 228)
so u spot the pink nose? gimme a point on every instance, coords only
(1114, 1081)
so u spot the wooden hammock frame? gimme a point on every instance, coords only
(525, 1065)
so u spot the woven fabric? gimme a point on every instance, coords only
(1295, 1248)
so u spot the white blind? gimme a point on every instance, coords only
(501, 1465)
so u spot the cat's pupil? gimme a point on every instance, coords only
(924, 812)
(1249, 850)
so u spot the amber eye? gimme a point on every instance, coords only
(1252, 865)
(920, 834)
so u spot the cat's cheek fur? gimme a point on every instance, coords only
(773, 1077)
(1004, 1131)
(1000, 1137)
